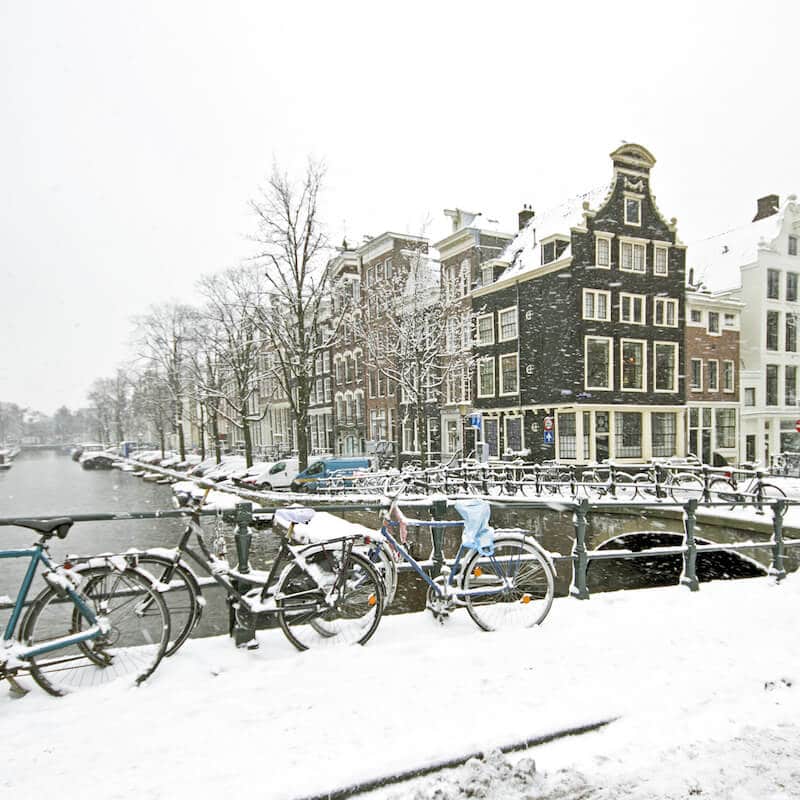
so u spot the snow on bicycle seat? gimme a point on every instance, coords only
(478, 534)
(293, 515)
(323, 527)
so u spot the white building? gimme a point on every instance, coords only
(759, 264)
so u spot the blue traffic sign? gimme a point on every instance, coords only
(549, 437)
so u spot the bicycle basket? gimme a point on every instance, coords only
(478, 534)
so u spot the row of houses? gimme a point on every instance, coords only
(590, 332)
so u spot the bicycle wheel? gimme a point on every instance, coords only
(341, 604)
(184, 598)
(645, 486)
(723, 491)
(513, 588)
(382, 559)
(684, 487)
(131, 646)
(769, 491)
(624, 487)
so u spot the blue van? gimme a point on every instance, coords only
(307, 480)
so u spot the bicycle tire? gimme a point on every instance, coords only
(132, 647)
(645, 485)
(723, 491)
(624, 487)
(769, 491)
(385, 565)
(685, 486)
(305, 617)
(184, 600)
(527, 602)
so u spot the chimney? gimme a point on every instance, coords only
(767, 206)
(525, 216)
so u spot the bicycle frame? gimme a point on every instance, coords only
(37, 555)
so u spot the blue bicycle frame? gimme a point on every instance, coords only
(37, 555)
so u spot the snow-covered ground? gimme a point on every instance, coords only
(704, 685)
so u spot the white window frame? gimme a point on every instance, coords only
(607, 239)
(609, 340)
(500, 324)
(490, 361)
(675, 369)
(697, 322)
(660, 248)
(478, 319)
(510, 418)
(692, 387)
(715, 387)
(633, 297)
(733, 376)
(718, 332)
(487, 274)
(638, 199)
(500, 359)
(633, 242)
(595, 293)
(666, 302)
(643, 387)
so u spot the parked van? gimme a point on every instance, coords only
(308, 479)
(280, 474)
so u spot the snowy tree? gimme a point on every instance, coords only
(152, 403)
(292, 254)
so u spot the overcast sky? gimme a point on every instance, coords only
(132, 135)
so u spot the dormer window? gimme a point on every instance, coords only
(548, 252)
(603, 254)
(487, 275)
(633, 211)
(792, 245)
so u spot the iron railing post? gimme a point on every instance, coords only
(580, 556)
(689, 574)
(244, 516)
(777, 568)
(438, 513)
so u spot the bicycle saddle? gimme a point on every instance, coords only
(286, 516)
(477, 534)
(58, 526)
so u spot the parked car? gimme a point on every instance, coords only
(308, 479)
(280, 474)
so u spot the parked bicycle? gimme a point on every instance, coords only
(728, 488)
(92, 623)
(322, 594)
(504, 578)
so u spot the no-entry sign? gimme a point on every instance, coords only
(547, 423)
(797, 426)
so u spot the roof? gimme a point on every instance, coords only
(523, 254)
(716, 260)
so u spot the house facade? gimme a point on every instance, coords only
(580, 334)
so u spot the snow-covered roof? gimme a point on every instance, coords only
(462, 220)
(523, 253)
(717, 259)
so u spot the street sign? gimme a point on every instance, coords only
(797, 426)
(475, 421)
(548, 423)
(549, 437)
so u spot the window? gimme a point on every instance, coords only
(666, 359)
(548, 252)
(507, 324)
(633, 257)
(628, 425)
(726, 427)
(773, 284)
(513, 433)
(597, 305)
(790, 386)
(485, 327)
(792, 245)
(791, 333)
(369, 276)
(603, 252)
(597, 355)
(713, 376)
(791, 287)
(727, 376)
(729, 320)
(696, 316)
(567, 439)
(487, 275)
(772, 329)
(697, 375)
(633, 211)
(633, 366)
(388, 267)
(713, 322)
(772, 384)
(509, 379)
(749, 396)
(660, 253)
(663, 428)
(665, 312)
(328, 390)
(486, 377)
(631, 308)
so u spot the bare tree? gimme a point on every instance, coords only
(164, 335)
(152, 403)
(232, 364)
(292, 254)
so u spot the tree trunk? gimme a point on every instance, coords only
(215, 434)
(179, 425)
(162, 438)
(248, 441)
(302, 443)
(422, 433)
(202, 427)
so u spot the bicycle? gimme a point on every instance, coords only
(605, 480)
(504, 578)
(322, 593)
(90, 624)
(659, 480)
(727, 489)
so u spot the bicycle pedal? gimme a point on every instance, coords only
(251, 644)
